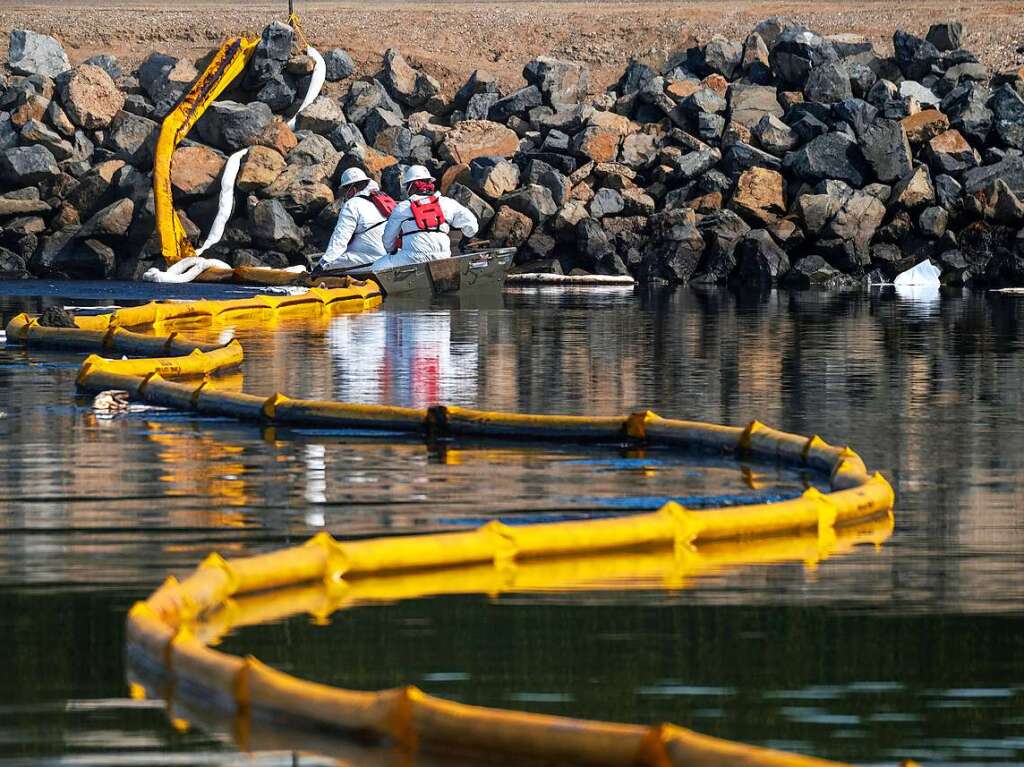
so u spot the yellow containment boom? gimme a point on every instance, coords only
(226, 65)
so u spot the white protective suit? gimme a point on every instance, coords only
(358, 236)
(419, 247)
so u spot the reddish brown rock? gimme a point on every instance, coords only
(510, 228)
(195, 171)
(759, 196)
(90, 97)
(924, 125)
(259, 169)
(597, 144)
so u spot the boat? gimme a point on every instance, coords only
(483, 269)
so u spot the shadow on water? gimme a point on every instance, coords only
(910, 650)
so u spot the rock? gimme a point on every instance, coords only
(759, 261)
(479, 105)
(96, 187)
(947, 191)
(722, 56)
(610, 121)
(749, 104)
(533, 200)
(759, 195)
(1008, 109)
(8, 134)
(107, 63)
(924, 125)
(966, 107)
(30, 53)
(302, 189)
(322, 116)
(279, 137)
(833, 155)
(739, 156)
(774, 136)
(165, 80)
(818, 210)
(59, 120)
(828, 83)
(925, 96)
(21, 207)
(563, 83)
(259, 169)
(638, 149)
(35, 132)
(676, 246)
(795, 52)
(606, 202)
(195, 171)
(887, 151)
(516, 103)
(111, 221)
(25, 165)
(379, 120)
(702, 101)
(597, 144)
(364, 96)
(273, 228)
(855, 223)
(946, 36)
(510, 228)
(815, 272)
(339, 65)
(233, 126)
(277, 93)
(721, 230)
(478, 138)
(949, 152)
(132, 139)
(476, 204)
(1004, 206)
(552, 179)
(933, 221)
(694, 164)
(493, 176)
(638, 202)
(915, 57)
(914, 190)
(90, 97)
(405, 84)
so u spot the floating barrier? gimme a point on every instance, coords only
(166, 632)
(570, 280)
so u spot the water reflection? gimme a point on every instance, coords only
(930, 393)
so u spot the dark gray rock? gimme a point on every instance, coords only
(346, 137)
(915, 57)
(377, 120)
(233, 126)
(833, 155)
(366, 95)
(796, 51)
(856, 113)
(405, 84)
(723, 57)
(946, 36)
(30, 53)
(555, 141)
(273, 227)
(534, 201)
(808, 127)
(886, 149)
(721, 231)
(26, 165)
(339, 65)
(704, 100)
(634, 78)
(828, 83)
(517, 103)
(933, 221)
(481, 81)
(862, 78)
(8, 133)
(739, 156)
(563, 84)
(107, 63)
(1008, 109)
(815, 272)
(947, 191)
(479, 105)
(36, 132)
(676, 246)
(710, 127)
(476, 204)
(759, 260)
(277, 93)
(693, 164)
(606, 202)
(966, 107)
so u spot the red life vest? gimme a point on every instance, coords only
(383, 203)
(427, 214)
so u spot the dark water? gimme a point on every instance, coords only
(910, 649)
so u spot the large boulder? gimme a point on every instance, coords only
(749, 104)
(760, 195)
(721, 230)
(759, 261)
(597, 144)
(723, 57)
(914, 191)
(828, 83)
(27, 165)
(478, 138)
(30, 53)
(1008, 108)
(946, 35)
(563, 84)
(339, 65)
(36, 132)
(132, 139)
(831, 156)
(165, 79)
(323, 116)
(195, 171)
(233, 126)
(405, 84)
(796, 52)
(676, 246)
(532, 200)
(274, 228)
(887, 151)
(90, 97)
(259, 169)
(516, 104)
(493, 176)
(950, 153)
(1010, 170)
(510, 228)
(474, 202)
(366, 95)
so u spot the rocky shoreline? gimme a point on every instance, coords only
(786, 158)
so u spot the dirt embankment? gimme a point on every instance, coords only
(451, 39)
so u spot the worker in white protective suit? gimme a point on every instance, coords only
(417, 229)
(358, 236)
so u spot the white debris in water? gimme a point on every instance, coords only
(226, 335)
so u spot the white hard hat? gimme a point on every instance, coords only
(353, 176)
(416, 173)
